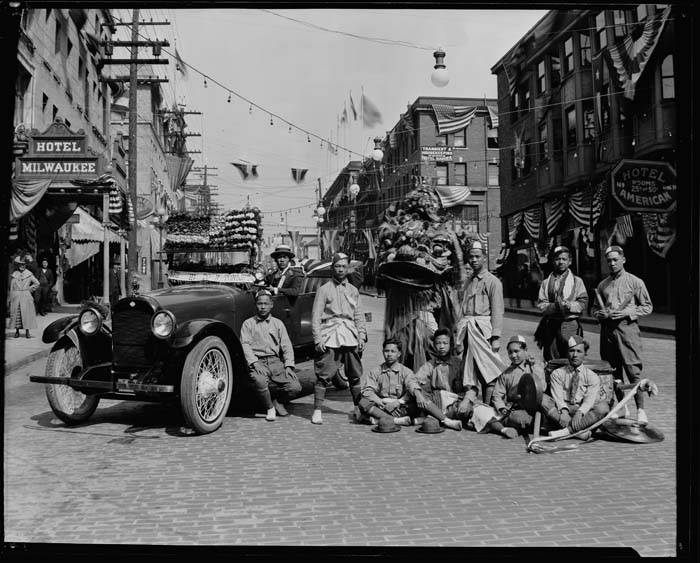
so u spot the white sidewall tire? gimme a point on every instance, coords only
(210, 348)
(68, 404)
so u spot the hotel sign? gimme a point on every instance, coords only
(641, 185)
(58, 153)
(436, 154)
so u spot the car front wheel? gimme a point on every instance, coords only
(71, 406)
(206, 385)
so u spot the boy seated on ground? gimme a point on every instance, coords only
(437, 385)
(264, 339)
(384, 392)
(505, 394)
(574, 402)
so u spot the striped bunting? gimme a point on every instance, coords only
(532, 219)
(580, 207)
(598, 202)
(554, 211)
(514, 222)
(493, 115)
(452, 118)
(624, 225)
(660, 230)
(452, 195)
(630, 57)
(115, 201)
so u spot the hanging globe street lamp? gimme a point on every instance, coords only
(440, 77)
(377, 153)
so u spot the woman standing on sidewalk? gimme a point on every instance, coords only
(21, 301)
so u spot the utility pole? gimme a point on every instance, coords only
(133, 61)
(318, 231)
(206, 195)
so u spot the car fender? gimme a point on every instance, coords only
(189, 333)
(58, 328)
(93, 349)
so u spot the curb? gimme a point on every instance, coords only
(592, 321)
(9, 368)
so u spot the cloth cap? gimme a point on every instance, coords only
(614, 248)
(559, 249)
(386, 425)
(517, 339)
(262, 292)
(282, 250)
(476, 245)
(338, 256)
(575, 340)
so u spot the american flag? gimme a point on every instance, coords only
(452, 118)
(452, 195)
(624, 225)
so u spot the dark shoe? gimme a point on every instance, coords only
(17, 334)
(29, 335)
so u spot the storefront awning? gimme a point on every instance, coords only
(89, 229)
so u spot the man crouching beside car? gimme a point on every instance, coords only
(264, 339)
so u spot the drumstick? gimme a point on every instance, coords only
(600, 300)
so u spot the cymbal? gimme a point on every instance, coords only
(630, 431)
(530, 393)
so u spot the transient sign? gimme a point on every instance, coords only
(642, 185)
(437, 154)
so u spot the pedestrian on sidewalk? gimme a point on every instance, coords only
(42, 296)
(574, 402)
(478, 330)
(623, 299)
(114, 285)
(562, 300)
(22, 308)
(339, 333)
(384, 391)
(270, 356)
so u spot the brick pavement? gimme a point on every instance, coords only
(128, 475)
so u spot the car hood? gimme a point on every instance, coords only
(197, 301)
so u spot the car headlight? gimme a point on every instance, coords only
(163, 324)
(90, 321)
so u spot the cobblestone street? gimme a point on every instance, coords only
(129, 476)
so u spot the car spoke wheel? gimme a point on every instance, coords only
(68, 404)
(206, 385)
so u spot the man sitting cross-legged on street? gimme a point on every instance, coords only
(574, 402)
(437, 385)
(384, 391)
(264, 338)
(505, 395)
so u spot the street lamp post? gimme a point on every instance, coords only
(160, 225)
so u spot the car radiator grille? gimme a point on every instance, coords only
(132, 345)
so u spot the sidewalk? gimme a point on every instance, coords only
(22, 351)
(656, 323)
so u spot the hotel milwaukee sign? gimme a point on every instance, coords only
(58, 153)
(641, 185)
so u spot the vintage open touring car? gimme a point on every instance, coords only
(181, 342)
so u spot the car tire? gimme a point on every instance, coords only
(68, 404)
(206, 385)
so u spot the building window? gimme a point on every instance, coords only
(642, 12)
(619, 21)
(514, 103)
(460, 174)
(605, 97)
(443, 140)
(568, 55)
(492, 138)
(441, 171)
(57, 38)
(542, 148)
(460, 138)
(526, 101)
(601, 30)
(571, 127)
(668, 89)
(585, 44)
(527, 151)
(541, 83)
(588, 122)
(554, 70)
(21, 91)
(493, 174)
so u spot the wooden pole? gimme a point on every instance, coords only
(105, 249)
(133, 128)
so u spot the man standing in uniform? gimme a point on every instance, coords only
(287, 280)
(339, 333)
(43, 294)
(562, 300)
(480, 324)
(623, 299)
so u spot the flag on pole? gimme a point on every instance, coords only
(452, 118)
(352, 108)
(371, 115)
(180, 64)
(298, 174)
(246, 170)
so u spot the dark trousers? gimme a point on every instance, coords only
(549, 409)
(42, 298)
(371, 409)
(274, 382)
(561, 331)
(326, 366)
